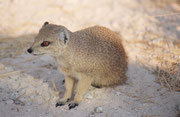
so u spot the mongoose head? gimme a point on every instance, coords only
(51, 39)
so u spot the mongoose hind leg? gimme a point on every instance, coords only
(82, 85)
(68, 93)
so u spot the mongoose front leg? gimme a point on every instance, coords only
(68, 93)
(82, 86)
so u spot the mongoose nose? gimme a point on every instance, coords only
(30, 50)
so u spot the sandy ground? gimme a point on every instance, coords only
(30, 86)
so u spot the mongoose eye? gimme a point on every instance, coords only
(45, 43)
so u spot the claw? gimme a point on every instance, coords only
(96, 86)
(59, 104)
(72, 105)
(63, 81)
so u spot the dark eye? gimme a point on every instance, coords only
(45, 43)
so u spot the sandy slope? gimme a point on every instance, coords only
(29, 92)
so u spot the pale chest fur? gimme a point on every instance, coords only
(66, 68)
(63, 64)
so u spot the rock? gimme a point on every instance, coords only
(9, 101)
(32, 97)
(28, 103)
(92, 115)
(5, 98)
(98, 109)
(22, 99)
(88, 96)
(115, 108)
(177, 107)
(49, 73)
(13, 96)
(28, 110)
(118, 93)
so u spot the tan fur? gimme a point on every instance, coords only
(92, 56)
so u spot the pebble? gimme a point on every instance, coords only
(13, 96)
(177, 107)
(88, 96)
(115, 108)
(28, 110)
(9, 102)
(92, 115)
(32, 97)
(118, 93)
(22, 99)
(28, 103)
(98, 109)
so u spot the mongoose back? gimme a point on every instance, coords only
(92, 56)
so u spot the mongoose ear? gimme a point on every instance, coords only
(64, 35)
(45, 23)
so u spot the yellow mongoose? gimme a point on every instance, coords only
(92, 56)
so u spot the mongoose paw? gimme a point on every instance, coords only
(59, 104)
(72, 105)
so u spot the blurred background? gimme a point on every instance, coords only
(134, 19)
(20, 17)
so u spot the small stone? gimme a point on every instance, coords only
(5, 98)
(118, 93)
(9, 102)
(13, 96)
(28, 110)
(31, 97)
(88, 96)
(28, 103)
(115, 108)
(18, 102)
(98, 109)
(22, 99)
(177, 107)
(92, 115)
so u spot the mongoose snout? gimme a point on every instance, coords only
(92, 56)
